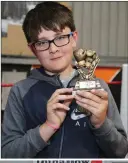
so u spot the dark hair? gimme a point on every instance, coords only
(48, 15)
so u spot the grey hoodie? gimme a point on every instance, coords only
(26, 111)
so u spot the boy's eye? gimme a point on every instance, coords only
(60, 37)
(41, 43)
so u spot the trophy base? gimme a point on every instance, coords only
(86, 85)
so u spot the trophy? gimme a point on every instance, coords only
(86, 63)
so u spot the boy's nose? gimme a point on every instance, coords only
(53, 48)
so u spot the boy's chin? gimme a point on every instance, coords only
(58, 69)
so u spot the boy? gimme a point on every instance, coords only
(41, 118)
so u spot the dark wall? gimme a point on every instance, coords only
(15, 10)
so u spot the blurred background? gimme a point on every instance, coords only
(101, 26)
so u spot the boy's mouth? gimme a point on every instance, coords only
(55, 58)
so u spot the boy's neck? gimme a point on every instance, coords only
(64, 74)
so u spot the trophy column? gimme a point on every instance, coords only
(86, 63)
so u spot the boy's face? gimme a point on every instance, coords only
(56, 59)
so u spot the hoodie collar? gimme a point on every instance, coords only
(41, 75)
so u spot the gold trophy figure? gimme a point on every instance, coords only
(86, 63)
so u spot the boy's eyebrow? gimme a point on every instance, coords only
(46, 38)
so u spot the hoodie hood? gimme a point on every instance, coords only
(41, 75)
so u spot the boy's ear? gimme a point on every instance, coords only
(75, 38)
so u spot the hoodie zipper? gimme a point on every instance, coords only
(62, 135)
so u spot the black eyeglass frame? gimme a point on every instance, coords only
(32, 44)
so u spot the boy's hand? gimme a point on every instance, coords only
(95, 101)
(58, 105)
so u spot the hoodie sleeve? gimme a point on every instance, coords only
(111, 136)
(16, 141)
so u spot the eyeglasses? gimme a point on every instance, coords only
(59, 41)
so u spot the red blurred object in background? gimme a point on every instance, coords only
(97, 161)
